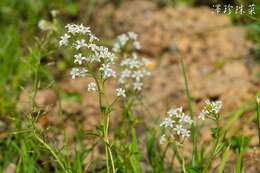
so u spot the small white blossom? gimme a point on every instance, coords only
(75, 72)
(138, 75)
(120, 92)
(80, 43)
(137, 86)
(210, 108)
(107, 71)
(92, 87)
(167, 122)
(177, 112)
(185, 133)
(73, 29)
(132, 35)
(163, 139)
(178, 129)
(137, 45)
(92, 37)
(79, 58)
(186, 119)
(123, 39)
(177, 124)
(64, 40)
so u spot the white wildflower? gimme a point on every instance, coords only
(123, 39)
(137, 86)
(92, 87)
(210, 108)
(73, 29)
(79, 58)
(120, 92)
(64, 40)
(80, 43)
(107, 71)
(132, 35)
(163, 139)
(186, 119)
(138, 75)
(75, 72)
(137, 45)
(92, 38)
(178, 129)
(185, 133)
(167, 122)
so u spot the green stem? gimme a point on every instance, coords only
(51, 151)
(258, 117)
(193, 126)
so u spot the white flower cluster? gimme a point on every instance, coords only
(80, 37)
(133, 68)
(210, 108)
(133, 71)
(176, 125)
(125, 38)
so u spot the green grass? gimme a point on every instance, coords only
(25, 53)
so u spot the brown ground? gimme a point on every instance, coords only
(216, 56)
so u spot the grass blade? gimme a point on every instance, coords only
(258, 117)
(193, 127)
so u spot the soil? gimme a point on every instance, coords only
(215, 53)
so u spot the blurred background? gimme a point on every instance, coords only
(221, 53)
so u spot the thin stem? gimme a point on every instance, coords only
(105, 117)
(193, 126)
(258, 117)
(213, 149)
(51, 151)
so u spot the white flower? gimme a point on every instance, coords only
(178, 129)
(79, 58)
(120, 92)
(186, 119)
(93, 58)
(83, 72)
(138, 86)
(73, 29)
(45, 25)
(126, 73)
(132, 35)
(210, 108)
(92, 87)
(178, 112)
(107, 71)
(123, 39)
(167, 122)
(64, 40)
(138, 75)
(137, 45)
(92, 37)
(163, 139)
(75, 72)
(185, 133)
(80, 43)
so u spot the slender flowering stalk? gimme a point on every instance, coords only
(89, 56)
